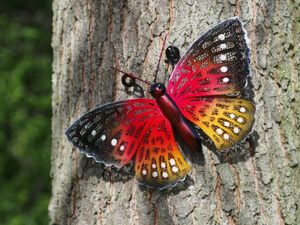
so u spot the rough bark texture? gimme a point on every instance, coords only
(259, 186)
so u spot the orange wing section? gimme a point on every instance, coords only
(159, 161)
(225, 120)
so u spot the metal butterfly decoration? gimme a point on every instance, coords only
(201, 103)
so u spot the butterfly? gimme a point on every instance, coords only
(202, 102)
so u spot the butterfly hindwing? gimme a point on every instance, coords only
(226, 121)
(159, 161)
(112, 133)
(216, 64)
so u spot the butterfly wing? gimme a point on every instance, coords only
(226, 121)
(216, 64)
(112, 133)
(116, 132)
(159, 161)
(207, 83)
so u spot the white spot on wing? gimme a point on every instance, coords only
(175, 169)
(94, 132)
(165, 175)
(242, 110)
(222, 46)
(154, 174)
(240, 120)
(219, 131)
(226, 124)
(232, 116)
(103, 137)
(114, 142)
(144, 172)
(172, 162)
(226, 136)
(225, 79)
(221, 37)
(224, 69)
(122, 147)
(236, 130)
(223, 57)
(153, 165)
(163, 165)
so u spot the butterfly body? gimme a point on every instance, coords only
(182, 127)
(202, 102)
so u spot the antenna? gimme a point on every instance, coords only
(131, 75)
(161, 52)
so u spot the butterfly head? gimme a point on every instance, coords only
(157, 90)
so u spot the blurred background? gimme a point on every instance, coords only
(25, 111)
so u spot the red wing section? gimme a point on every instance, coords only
(216, 64)
(159, 161)
(112, 133)
(226, 121)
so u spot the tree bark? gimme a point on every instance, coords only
(259, 185)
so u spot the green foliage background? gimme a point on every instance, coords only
(25, 111)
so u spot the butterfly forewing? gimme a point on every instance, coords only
(112, 133)
(216, 64)
(159, 161)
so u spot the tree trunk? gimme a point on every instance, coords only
(259, 186)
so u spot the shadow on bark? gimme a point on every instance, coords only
(241, 152)
(126, 173)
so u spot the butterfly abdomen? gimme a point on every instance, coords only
(182, 126)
